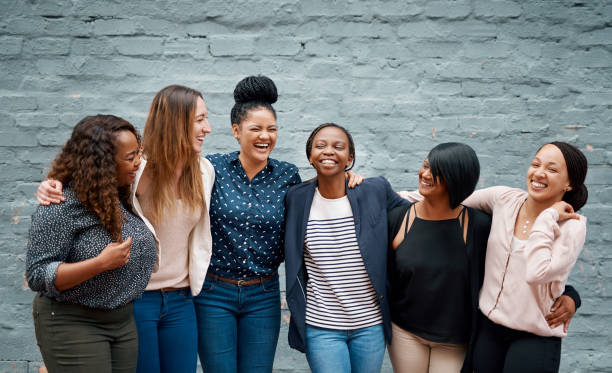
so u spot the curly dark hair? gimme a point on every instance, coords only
(253, 92)
(86, 164)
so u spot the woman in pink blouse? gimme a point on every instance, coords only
(536, 237)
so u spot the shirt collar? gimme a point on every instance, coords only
(233, 159)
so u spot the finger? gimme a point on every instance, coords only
(566, 325)
(555, 305)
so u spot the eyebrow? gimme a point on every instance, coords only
(539, 160)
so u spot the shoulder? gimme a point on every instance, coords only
(299, 189)
(60, 211)
(282, 166)
(378, 183)
(506, 194)
(206, 166)
(397, 213)
(217, 158)
(479, 218)
(574, 226)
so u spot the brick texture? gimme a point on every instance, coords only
(403, 76)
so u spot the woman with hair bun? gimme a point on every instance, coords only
(91, 256)
(536, 237)
(239, 307)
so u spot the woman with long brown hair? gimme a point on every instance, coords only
(90, 256)
(171, 194)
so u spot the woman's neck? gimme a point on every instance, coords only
(533, 208)
(331, 187)
(436, 209)
(251, 167)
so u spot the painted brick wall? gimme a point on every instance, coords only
(502, 76)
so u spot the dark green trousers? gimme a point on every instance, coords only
(75, 339)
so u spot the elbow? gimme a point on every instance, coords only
(535, 276)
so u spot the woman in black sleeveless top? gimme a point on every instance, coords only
(436, 265)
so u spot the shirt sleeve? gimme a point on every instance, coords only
(49, 243)
(484, 199)
(551, 252)
(412, 196)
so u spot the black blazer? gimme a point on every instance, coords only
(370, 202)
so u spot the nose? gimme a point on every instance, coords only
(206, 128)
(137, 160)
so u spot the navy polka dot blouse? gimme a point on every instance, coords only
(246, 217)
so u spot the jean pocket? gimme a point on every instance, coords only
(186, 294)
(207, 287)
(271, 285)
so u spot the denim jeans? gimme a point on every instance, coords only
(167, 332)
(238, 326)
(345, 351)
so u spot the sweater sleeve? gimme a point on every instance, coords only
(412, 196)
(49, 243)
(484, 199)
(551, 252)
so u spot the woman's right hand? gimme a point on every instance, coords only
(565, 211)
(50, 191)
(115, 254)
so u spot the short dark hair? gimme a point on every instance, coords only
(576, 164)
(250, 93)
(346, 132)
(455, 164)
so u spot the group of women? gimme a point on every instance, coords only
(176, 255)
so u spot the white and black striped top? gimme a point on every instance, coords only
(339, 292)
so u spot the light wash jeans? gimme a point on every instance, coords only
(345, 351)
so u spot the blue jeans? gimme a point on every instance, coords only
(238, 326)
(345, 351)
(167, 332)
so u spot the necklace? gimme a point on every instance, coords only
(527, 219)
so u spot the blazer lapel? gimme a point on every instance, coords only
(352, 197)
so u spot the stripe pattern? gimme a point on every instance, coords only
(339, 292)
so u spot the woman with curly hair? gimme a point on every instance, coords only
(171, 194)
(91, 256)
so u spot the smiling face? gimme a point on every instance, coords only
(201, 127)
(330, 153)
(547, 178)
(427, 186)
(127, 157)
(256, 135)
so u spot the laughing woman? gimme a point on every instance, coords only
(171, 194)
(91, 256)
(536, 237)
(335, 247)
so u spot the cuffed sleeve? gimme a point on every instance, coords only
(49, 243)
(551, 251)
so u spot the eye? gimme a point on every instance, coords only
(319, 146)
(340, 147)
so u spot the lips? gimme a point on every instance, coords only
(537, 185)
(426, 184)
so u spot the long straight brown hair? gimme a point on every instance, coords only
(168, 146)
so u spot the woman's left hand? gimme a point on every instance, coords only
(565, 210)
(561, 312)
(353, 179)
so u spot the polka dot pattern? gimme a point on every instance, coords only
(68, 233)
(247, 217)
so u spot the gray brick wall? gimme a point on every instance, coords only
(502, 76)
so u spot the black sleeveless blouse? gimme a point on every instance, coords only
(429, 278)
